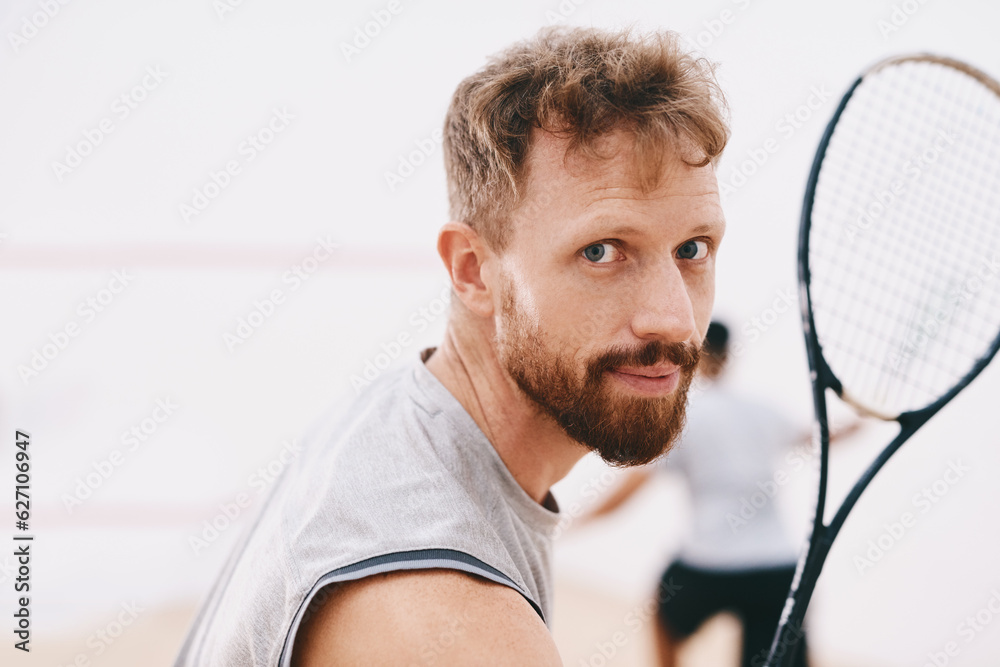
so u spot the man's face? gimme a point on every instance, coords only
(606, 293)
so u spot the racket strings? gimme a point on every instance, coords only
(870, 139)
(879, 144)
(905, 235)
(919, 268)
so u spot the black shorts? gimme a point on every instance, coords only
(689, 596)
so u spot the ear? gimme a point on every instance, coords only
(469, 263)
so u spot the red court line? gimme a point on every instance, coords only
(66, 257)
(130, 515)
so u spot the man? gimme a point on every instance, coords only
(416, 529)
(732, 560)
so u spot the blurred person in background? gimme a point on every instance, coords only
(739, 556)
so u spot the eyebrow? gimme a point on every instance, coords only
(620, 230)
(625, 230)
(708, 227)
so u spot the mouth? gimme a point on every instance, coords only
(658, 380)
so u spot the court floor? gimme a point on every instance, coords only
(587, 622)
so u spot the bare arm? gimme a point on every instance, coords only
(837, 432)
(634, 480)
(841, 432)
(424, 617)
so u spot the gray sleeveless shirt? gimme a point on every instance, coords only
(403, 478)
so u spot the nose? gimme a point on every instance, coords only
(663, 307)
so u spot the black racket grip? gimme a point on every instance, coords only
(788, 640)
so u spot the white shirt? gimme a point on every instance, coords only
(729, 453)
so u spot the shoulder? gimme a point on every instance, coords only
(441, 617)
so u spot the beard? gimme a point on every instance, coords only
(624, 430)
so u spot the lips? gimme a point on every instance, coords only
(657, 371)
(659, 380)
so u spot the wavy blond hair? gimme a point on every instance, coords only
(581, 84)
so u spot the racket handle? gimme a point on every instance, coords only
(788, 638)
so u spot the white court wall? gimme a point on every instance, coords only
(222, 76)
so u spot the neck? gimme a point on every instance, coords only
(534, 448)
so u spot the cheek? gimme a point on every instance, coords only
(578, 322)
(516, 287)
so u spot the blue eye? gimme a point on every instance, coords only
(692, 250)
(599, 253)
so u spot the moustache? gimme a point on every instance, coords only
(683, 355)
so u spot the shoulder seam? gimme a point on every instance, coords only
(421, 559)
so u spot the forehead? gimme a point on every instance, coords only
(565, 185)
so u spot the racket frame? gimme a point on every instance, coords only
(786, 644)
